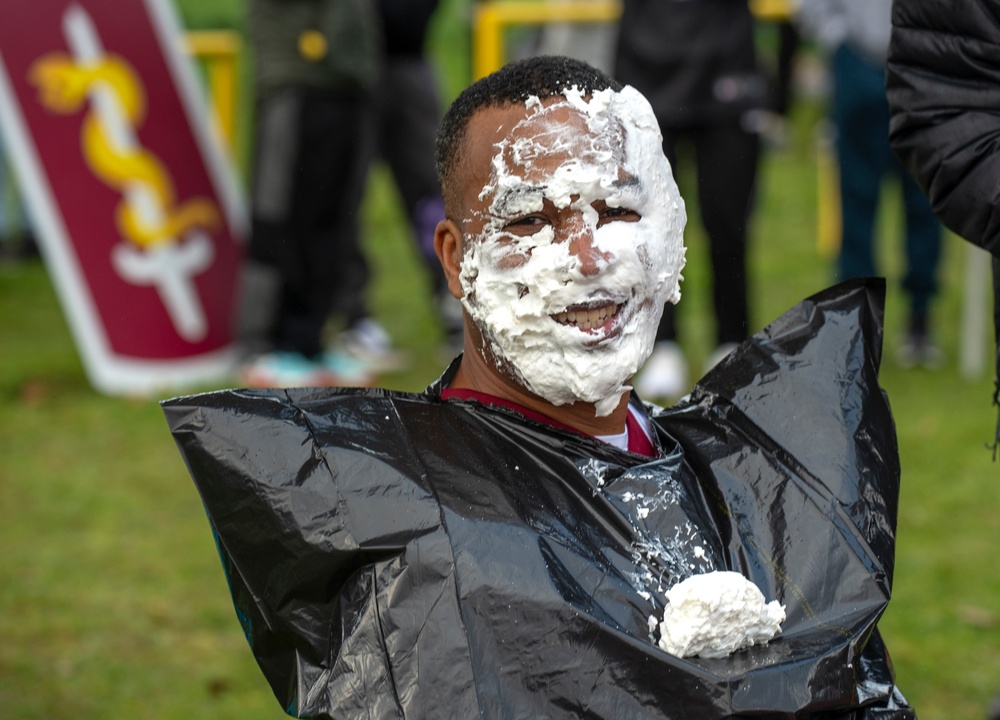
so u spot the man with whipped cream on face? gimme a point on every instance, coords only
(525, 538)
(563, 239)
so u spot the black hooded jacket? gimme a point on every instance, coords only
(943, 85)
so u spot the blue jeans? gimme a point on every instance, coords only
(861, 116)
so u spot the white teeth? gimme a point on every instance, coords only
(586, 319)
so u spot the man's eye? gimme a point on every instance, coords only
(527, 225)
(610, 214)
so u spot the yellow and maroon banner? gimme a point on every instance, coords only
(138, 212)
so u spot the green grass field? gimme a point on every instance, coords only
(112, 600)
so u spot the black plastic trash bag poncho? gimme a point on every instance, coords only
(395, 555)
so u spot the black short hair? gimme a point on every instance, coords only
(542, 77)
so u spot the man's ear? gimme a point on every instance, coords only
(448, 247)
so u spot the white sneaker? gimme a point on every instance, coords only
(719, 354)
(664, 376)
(919, 350)
(368, 342)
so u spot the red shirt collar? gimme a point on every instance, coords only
(638, 442)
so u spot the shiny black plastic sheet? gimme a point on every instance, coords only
(394, 555)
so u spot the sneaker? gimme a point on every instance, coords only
(919, 350)
(367, 342)
(284, 370)
(664, 376)
(346, 370)
(719, 354)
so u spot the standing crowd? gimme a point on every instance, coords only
(339, 86)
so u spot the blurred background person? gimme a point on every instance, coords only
(855, 36)
(943, 90)
(695, 60)
(774, 119)
(593, 43)
(315, 63)
(408, 110)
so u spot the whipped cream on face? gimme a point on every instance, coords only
(573, 307)
(715, 614)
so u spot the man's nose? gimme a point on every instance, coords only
(582, 245)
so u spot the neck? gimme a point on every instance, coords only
(476, 373)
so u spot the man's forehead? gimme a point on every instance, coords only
(530, 118)
(491, 124)
(550, 127)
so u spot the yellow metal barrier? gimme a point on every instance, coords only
(772, 10)
(220, 51)
(493, 18)
(828, 222)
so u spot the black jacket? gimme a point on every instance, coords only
(943, 85)
(695, 60)
(348, 64)
(405, 24)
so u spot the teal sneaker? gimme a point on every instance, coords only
(284, 370)
(345, 369)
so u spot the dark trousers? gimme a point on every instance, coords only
(861, 116)
(408, 115)
(726, 158)
(308, 181)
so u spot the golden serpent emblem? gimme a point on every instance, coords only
(164, 244)
(64, 86)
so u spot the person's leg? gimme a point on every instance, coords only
(861, 154)
(788, 48)
(726, 158)
(273, 181)
(664, 375)
(923, 248)
(409, 113)
(922, 241)
(325, 265)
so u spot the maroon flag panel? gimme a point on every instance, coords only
(137, 208)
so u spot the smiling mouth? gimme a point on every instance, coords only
(588, 317)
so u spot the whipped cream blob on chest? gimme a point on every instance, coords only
(715, 614)
(576, 244)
